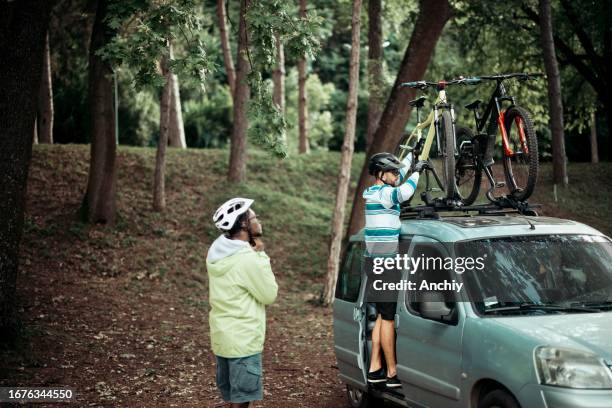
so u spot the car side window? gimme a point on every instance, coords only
(349, 277)
(431, 269)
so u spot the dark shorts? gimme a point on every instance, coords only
(239, 379)
(386, 310)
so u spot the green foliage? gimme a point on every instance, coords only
(265, 20)
(145, 28)
(266, 122)
(138, 112)
(320, 126)
(208, 120)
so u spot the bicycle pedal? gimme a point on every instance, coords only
(500, 184)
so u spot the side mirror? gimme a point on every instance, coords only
(433, 307)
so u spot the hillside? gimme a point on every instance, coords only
(121, 313)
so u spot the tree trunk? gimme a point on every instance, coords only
(159, 180)
(35, 135)
(45, 100)
(375, 61)
(278, 76)
(176, 131)
(554, 93)
(345, 161)
(100, 202)
(304, 146)
(225, 46)
(594, 149)
(237, 164)
(433, 15)
(23, 25)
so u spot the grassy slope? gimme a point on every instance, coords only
(111, 310)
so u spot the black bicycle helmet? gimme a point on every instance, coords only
(384, 162)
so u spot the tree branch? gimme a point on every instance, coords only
(585, 41)
(570, 56)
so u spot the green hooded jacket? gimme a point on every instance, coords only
(241, 283)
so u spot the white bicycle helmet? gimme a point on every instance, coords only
(226, 215)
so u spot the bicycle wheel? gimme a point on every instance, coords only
(521, 161)
(444, 162)
(468, 175)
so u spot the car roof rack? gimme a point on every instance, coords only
(504, 206)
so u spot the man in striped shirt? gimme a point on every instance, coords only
(382, 230)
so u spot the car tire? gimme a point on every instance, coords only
(498, 399)
(360, 399)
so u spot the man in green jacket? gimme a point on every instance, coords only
(241, 284)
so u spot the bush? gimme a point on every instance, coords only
(208, 122)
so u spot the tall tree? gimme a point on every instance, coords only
(176, 129)
(225, 46)
(23, 26)
(304, 146)
(99, 204)
(278, 75)
(45, 100)
(159, 180)
(344, 175)
(554, 93)
(594, 61)
(433, 15)
(135, 41)
(375, 74)
(237, 163)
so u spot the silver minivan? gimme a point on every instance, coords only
(532, 329)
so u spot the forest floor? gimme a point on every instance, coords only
(120, 314)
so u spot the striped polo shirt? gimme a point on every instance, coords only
(382, 211)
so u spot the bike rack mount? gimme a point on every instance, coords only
(503, 206)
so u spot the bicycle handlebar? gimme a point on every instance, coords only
(520, 75)
(469, 81)
(441, 84)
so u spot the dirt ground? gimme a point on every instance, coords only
(120, 314)
(103, 317)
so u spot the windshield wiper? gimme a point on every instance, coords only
(540, 306)
(605, 305)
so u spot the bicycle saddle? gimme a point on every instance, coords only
(474, 105)
(418, 102)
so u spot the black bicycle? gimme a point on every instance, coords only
(519, 144)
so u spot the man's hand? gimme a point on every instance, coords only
(258, 244)
(418, 147)
(421, 165)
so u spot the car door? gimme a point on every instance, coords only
(349, 318)
(429, 352)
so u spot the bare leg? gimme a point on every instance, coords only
(387, 335)
(375, 360)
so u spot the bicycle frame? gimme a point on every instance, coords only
(431, 121)
(494, 110)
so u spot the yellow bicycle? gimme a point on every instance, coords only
(441, 123)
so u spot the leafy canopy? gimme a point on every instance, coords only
(267, 19)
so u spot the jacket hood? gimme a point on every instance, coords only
(221, 249)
